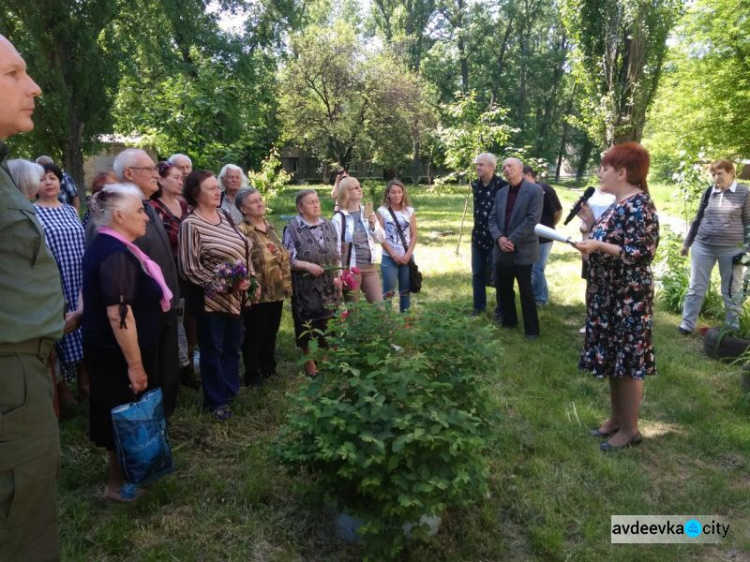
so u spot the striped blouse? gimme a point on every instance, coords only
(203, 247)
(726, 219)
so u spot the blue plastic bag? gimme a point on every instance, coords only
(141, 439)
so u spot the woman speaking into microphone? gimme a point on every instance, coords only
(620, 291)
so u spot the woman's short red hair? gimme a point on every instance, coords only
(633, 158)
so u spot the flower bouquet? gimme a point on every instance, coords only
(348, 281)
(228, 276)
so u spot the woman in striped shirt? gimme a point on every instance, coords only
(209, 246)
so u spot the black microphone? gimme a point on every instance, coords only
(577, 207)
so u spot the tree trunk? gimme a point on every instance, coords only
(566, 128)
(586, 150)
(416, 165)
(72, 152)
(561, 152)
(464, 63)
(550, 102)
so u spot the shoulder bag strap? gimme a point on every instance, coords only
(702, 208)
(398, 229)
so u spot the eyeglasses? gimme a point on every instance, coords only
(151, 169)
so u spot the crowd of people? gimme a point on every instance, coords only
(167, 259)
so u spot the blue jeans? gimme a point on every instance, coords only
(391, 271)
(703, 257)
(479, 259)
(219, 338)
(538, 280)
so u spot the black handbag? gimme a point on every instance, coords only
(415, 276)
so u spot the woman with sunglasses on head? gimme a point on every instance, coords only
(360, 236)
(171, 208)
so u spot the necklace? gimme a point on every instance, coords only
(218, 216)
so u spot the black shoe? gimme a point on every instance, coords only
(188, 378)
(599, 434)
(476, 313)
(635, 440)
(532, 337)
(683, 331)
(254, 382)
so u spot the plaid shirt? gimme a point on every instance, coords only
(170, 221)
(484, 199)
(68, 190)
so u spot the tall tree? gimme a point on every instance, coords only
(211, 93)
(620, 51)
(340, 101)
(72, 58)
(404, 27)
(322, 103)
(702, 103)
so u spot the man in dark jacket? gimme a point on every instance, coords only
(135, 166)
(517, 210)
(551, 215)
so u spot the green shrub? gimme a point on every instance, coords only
(397, 424)
(673, 280)
(271, 178)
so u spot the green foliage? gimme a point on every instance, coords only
(76, 63)
(743, 330)
(321, 103)
(618, 60)
(270, 179)
(471, 129)
(398, 423)
(211, 94)
(703, 100)
(673, 280)
(692, 179)
(341, 101)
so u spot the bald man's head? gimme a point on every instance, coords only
(17, 92)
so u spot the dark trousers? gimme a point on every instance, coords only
(219, 339)
(479, 272)
(262, 323)
(168, 369)
(504, 277)
(29, 459)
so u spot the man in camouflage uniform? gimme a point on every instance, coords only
(31, 319)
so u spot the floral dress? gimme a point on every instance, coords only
(620, 292)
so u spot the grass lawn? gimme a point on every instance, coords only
(553, 491)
